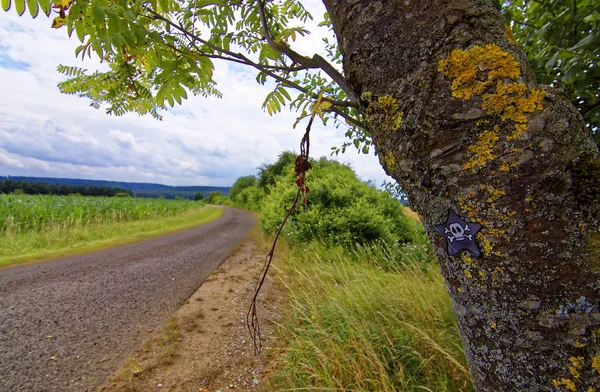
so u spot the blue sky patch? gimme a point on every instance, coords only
(9, 63)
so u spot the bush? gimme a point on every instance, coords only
(216, 198)
(340, 209)
(250, 198)
(198, 196)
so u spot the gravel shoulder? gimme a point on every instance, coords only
(205, 346)
(66, 325)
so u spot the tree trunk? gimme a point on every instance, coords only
(459, 121)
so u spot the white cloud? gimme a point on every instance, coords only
(204, 142)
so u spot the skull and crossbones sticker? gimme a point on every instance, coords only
(459, 234)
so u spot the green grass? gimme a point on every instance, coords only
(43, 227)
(367, 320)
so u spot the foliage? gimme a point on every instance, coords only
(350, 325)
(40, 188)
(198, 196)
(340, 209)
(217, 198)
(563, 46)
(240, 184)
(250, 198)
(267, 174)
(159, 51)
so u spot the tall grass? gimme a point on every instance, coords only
(33, 227)
(368, 320)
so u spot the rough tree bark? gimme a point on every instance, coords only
(459, 121)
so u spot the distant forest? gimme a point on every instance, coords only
(138, 189)
(40, 188)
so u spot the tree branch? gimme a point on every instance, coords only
(315, 62)
(266, 69)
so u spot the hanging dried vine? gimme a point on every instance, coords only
(301, 167)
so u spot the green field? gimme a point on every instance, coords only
(37, 227)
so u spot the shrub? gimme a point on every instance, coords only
(340, 209)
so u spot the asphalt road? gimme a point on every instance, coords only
(67, 325)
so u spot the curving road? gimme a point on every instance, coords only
(67, 325)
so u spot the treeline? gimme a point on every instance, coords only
(40, 188)
(139, 189)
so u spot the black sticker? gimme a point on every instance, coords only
(459, 234)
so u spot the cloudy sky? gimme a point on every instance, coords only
(203, 142)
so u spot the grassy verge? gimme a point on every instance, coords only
(64, 240)
(367, 320)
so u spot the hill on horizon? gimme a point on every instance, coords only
(139, 189)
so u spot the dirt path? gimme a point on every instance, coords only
(67, 325)
(206, 346)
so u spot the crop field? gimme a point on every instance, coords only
(25, 212)
(38, 226)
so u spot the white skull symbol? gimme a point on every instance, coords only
(456, 232)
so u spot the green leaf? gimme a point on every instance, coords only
(19, 6)
(584, 41)
(140, 34)
(129, 38)
(267, 51)
(33, 8)
(79, 30)
(5, 5)
(116, 41)
(285, 93)
(97, 46)
(45, 6)
(550, 64)
(99, 15)
(181, 92)
(113, 23)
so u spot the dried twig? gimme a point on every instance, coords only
(302, 166)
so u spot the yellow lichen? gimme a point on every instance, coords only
(567, 383)
(578, 345)
(487, 247)
(482, 150)
(493, 325)
(463, 67)
(387, 160)
(596, 364)
(509, 34)
(383, 112)
(577, 364)
(590, 389)
(468, 274)
(491, 73)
